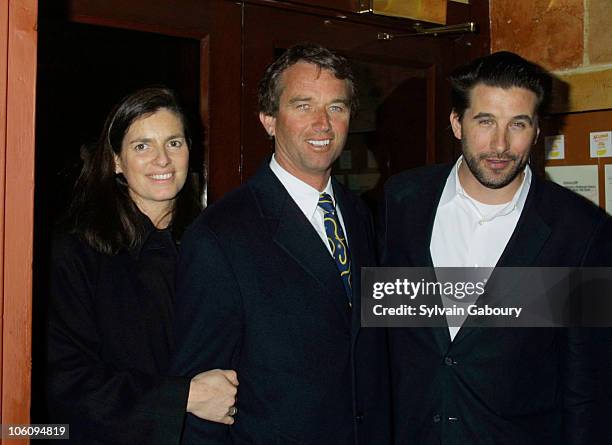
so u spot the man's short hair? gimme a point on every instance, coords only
(270, 86)
(501, 69)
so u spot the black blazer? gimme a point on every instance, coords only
(109, 340)
(493, 386)
(258, 292)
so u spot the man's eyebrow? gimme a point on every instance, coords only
(483, 115)
(519, 117)
(342, 100)
(524, 117)
(299, 99)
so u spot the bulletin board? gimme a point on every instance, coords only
(576, 129)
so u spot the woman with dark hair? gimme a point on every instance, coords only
(112, 285)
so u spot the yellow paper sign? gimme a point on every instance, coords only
(601, 144)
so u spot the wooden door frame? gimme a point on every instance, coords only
(17, 123)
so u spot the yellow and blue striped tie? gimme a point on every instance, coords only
(337, 241)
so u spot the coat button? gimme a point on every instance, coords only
(448, 361)
(359, 418)
(436, 418)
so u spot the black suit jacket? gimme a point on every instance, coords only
(493, 386)
(258, 292)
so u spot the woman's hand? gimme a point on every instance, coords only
(212, 394)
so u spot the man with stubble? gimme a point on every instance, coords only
(468, 385)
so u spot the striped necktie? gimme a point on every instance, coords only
(337, 241)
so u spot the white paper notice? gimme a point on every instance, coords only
(601, 144)
(608, 182)
(555, 146)
(582, 179)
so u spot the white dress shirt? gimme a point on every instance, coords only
(307, 199)
(469, 233)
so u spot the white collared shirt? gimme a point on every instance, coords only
(468, 233)
(307, 199)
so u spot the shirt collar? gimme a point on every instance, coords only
(304, 195)
(152, 237)
(453, 189)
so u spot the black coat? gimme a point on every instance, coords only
(500, 386)
(109, 340)
(258, 292)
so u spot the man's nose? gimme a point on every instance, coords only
(321, 121)
(500, 140)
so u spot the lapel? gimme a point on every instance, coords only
(530, 234)
(419, 214)
(293, 233)
(418, 224)
(524, 246)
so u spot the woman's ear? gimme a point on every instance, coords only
(118, 168)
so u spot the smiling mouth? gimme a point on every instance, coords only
(161, 177)
(497, 164)
(319, 143)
